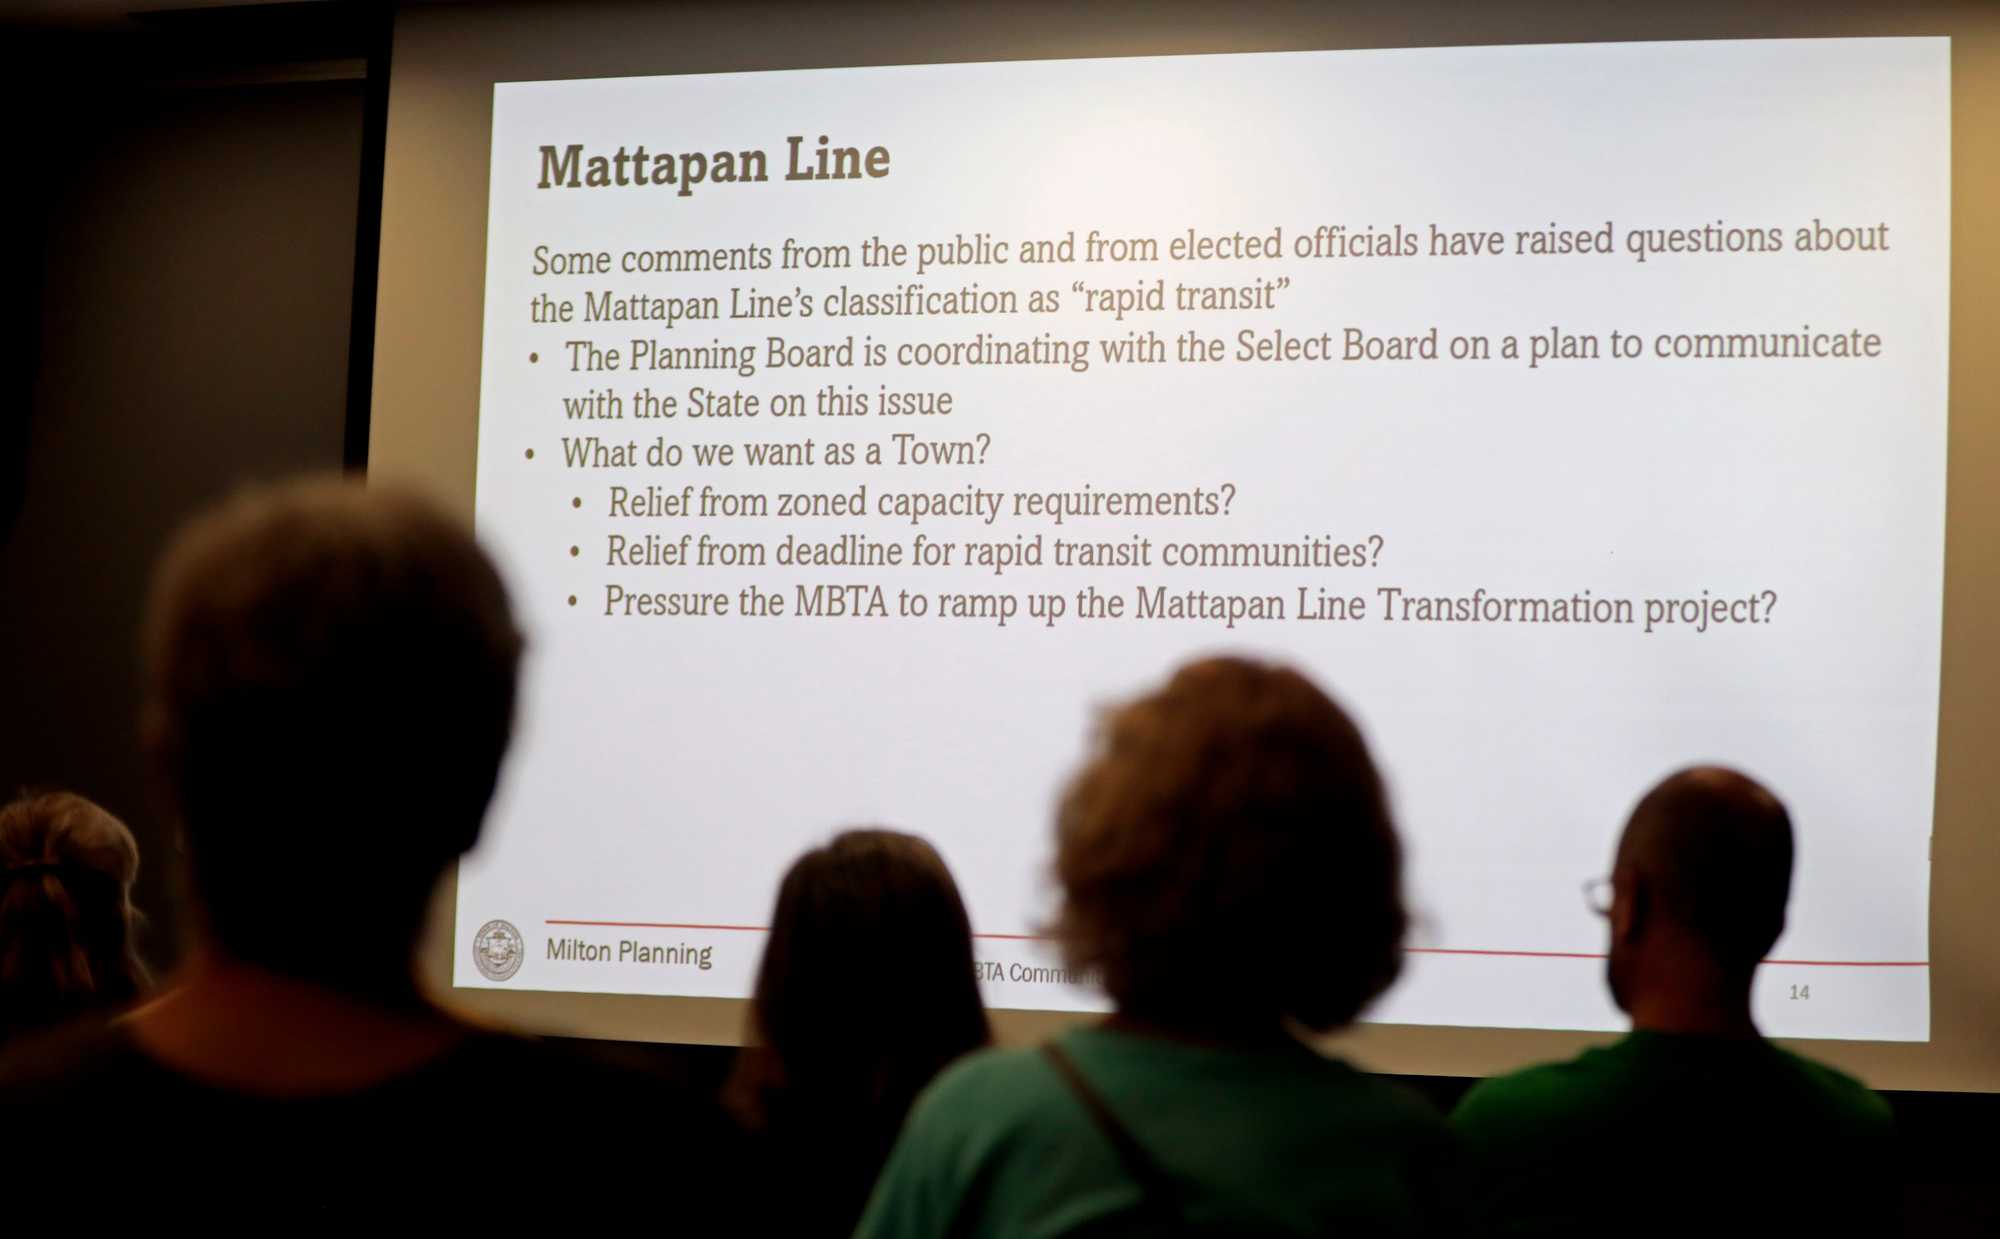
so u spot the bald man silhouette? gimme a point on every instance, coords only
(1693, 1120)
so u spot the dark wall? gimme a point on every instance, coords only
(183, 328)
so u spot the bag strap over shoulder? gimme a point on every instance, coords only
(1161, 1194)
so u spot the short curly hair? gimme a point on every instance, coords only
(1226, 855)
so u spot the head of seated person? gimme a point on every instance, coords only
(66, 915)
(330, 683)
(1228, 865)
(1230, 876)
(865, 993)
(1699, 887)
(1692, 1113)
(826, 1030)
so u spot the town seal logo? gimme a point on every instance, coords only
(497, 950)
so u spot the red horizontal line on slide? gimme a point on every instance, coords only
(748, 929)
(1413, 950)
(745, 929)
(1788, 963)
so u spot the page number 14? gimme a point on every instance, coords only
(1801, 993)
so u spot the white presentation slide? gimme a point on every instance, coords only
(1573, 414)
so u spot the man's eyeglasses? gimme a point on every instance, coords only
(1597, 896)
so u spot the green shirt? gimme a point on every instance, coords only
(1667, 1134)
(1282, 1140)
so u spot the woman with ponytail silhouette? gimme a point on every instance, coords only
(66, 916)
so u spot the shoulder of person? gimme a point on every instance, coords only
(55, 1065)
(963, 1130)
(1390, 1099)
(1547, 1090)
(617, 1114)
(995, 1107)
(991, 1087)
(557, 1058)
(1860, 1102)
(587, 1074)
